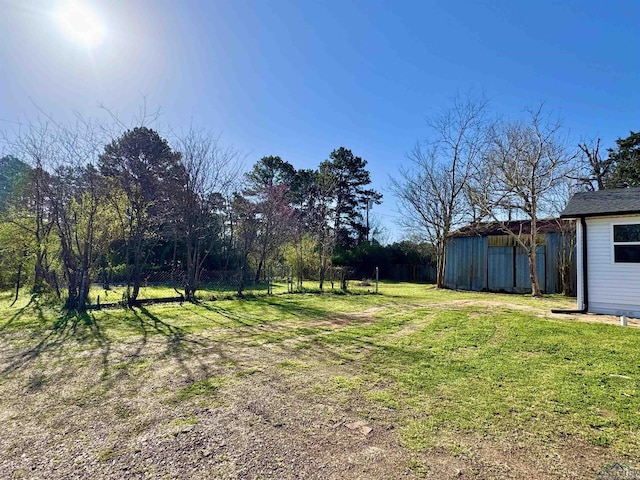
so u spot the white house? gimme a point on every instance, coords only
(608, 250)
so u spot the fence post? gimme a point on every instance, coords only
(377, 275)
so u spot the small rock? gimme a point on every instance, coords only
(356, 425)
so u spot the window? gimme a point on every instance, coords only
(626, 243)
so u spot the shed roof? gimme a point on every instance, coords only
(523, 227)
(616, 201)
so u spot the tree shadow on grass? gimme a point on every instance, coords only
(240, 319)
(178, 345)
(247, 318)
(298, 330)
(16, 316)
(259, 320)
(79, 327)
(60, 339)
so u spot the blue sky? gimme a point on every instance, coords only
(301, 78)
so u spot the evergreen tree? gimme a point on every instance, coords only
(142, 166)
(352, 199)
(626, 158)
(12, 172)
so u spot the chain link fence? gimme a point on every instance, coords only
(110, 287)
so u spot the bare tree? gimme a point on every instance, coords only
(209, 173)
(378, 232)
(65, 209)
(432, 191)
(246, 224)
(268, 186)
(591, 170)
(567, 228)
(80, 210)
(322, 221)
(33, 143)
(525, 164)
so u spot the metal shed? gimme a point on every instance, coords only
(484, 257)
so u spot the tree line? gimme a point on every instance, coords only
(84, 201)
(78, 203)
(477, 167)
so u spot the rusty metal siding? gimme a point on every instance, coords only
(511, 241)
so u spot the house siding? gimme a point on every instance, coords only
(614, 288)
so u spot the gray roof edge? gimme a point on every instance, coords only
(603, 203)
(616, 213)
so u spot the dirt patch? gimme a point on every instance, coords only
(344, 319)
(543, 312)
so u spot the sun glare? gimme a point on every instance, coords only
(81, 25)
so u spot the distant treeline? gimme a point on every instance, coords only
(79, 205)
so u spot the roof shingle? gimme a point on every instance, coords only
(616, 201)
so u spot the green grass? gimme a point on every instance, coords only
(106, 455)
(207, 292)
(495, 373)
(208, 387)
(439, 363)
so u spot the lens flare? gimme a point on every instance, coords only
(81, 25)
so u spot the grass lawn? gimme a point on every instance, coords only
(411, 383)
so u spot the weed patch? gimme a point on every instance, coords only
(208, 387)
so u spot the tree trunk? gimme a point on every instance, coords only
(241, 281)
(323, 271)
(72, 290)
(259, 270)
(39, 273)
(15, 299)
(533, 246)
(189, 280)
(136, 277)
(135, 292)
(441, 263)
(535, 284)
(83, 291)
